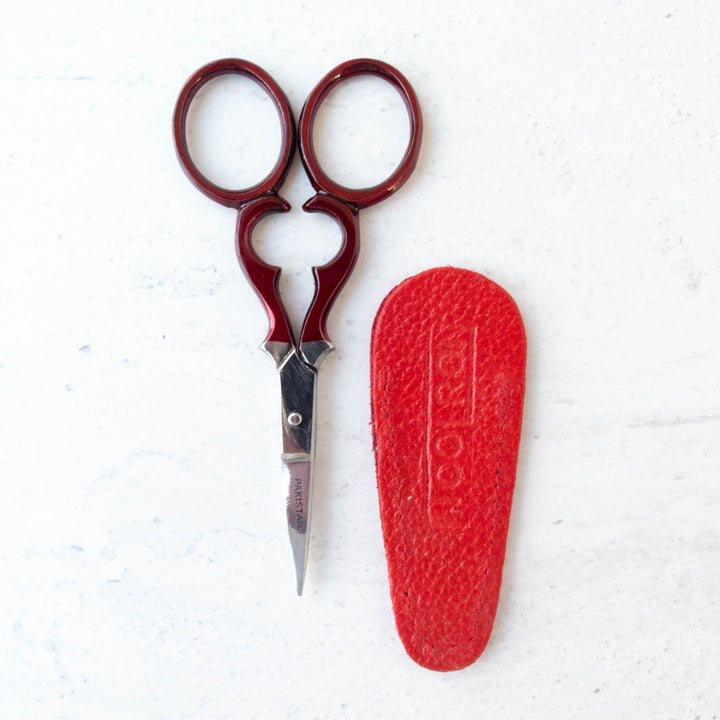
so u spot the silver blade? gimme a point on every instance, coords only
(298, 384)
(299, 478)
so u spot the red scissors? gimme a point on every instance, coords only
(297, 359)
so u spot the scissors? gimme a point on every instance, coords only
(297, 358)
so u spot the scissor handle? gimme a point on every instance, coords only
(273, 181)
(361, 197)
(330, 278)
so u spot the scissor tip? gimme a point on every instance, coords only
(300, 558)
(300, 583)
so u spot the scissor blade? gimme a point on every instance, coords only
(297, 384)
(299, 475)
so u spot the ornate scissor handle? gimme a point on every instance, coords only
(270, 184)
(361, 197)
(340, 202)
(253, 202)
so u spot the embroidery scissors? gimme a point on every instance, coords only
(297, 358)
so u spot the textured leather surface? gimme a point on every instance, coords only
(448, 379)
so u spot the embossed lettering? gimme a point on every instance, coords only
(298, 503)
(451, 398)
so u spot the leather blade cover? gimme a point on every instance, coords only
(448, 380)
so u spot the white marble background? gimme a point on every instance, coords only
(571, 153)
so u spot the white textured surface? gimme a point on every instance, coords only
(571, 153)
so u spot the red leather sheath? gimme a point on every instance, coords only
(448, 379)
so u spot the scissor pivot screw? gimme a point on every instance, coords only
(294, 419)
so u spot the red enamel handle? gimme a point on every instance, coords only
(342, 203)
(273, 181)
(254, 202)
(362, 197)
(263, 277)
(330, 278)
(339, 202)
